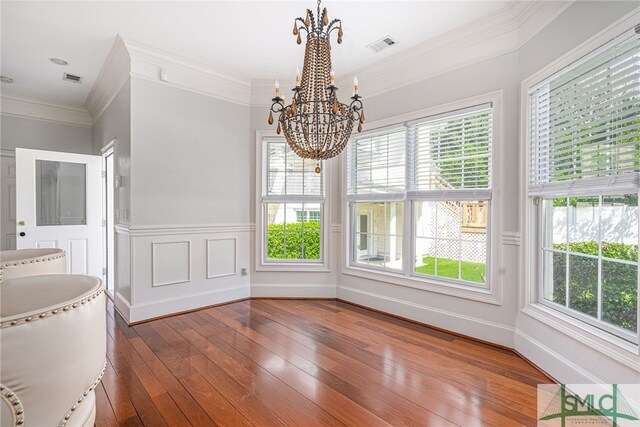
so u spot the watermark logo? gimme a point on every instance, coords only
(568, 405)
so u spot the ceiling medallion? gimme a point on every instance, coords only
(316, 125)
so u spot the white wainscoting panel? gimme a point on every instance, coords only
(46, 244)
(78, 256)
(221, 258)
(181, 268)
(170, 263)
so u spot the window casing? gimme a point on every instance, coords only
(419, 198)
(584, 168)
(291, 208)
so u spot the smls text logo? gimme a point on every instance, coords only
(567, 405)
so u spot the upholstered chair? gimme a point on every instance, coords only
(31, 262)
(52, 350)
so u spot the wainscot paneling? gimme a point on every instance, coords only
(221, 258)
(170, 263)
(77, 256)
(181, 268)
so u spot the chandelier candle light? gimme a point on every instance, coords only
(317, 125)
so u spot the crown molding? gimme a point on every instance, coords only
(153, 64)
(129, 58)
(113, 75)
(497, 34)
(39, 109)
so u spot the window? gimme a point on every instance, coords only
(420, 196)
(292, 205)
(585, 164)
(307, 215)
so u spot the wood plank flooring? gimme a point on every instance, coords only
(306, 363)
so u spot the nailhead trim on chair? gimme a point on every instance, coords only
(49, 313)
(33, 260)
(14, 403)
(29, 261)
(64, 421)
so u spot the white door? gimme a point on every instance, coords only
(59, 205)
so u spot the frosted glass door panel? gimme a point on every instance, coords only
(61, 193)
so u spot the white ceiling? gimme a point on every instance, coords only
(251, 39)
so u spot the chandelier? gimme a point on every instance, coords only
(316, 125)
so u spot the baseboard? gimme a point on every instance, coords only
(122, 305)
(473, 327)
(267, 290)
(142, 312)
(555, 365)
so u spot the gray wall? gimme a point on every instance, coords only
(582, 20)
(190, 157)
(115, 123)
(21, 132)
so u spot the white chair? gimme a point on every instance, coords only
(52, 350)
(31, 262)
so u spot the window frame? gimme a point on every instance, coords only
(530, 213)
(590, 320)
(262, 263)
(490, 293)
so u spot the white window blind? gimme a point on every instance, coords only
(376, 163)
(585, 121)
(453, 151)
(286, 174)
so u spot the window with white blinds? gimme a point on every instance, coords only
(453, 151)
(584, 121)
(420, 197)
(584, 131)
(377, 162)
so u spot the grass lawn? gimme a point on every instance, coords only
(471, 271)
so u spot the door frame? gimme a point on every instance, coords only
(108, 254)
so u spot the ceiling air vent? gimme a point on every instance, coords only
(383, 43)
(72, 78)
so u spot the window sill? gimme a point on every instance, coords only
(485, 295)
(608, 344)
(294, 267)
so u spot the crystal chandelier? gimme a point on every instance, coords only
(316, 125)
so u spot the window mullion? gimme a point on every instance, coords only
(599, 291)
(462, 213)
(566, 248)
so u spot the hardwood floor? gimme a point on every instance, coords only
(304, 363)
